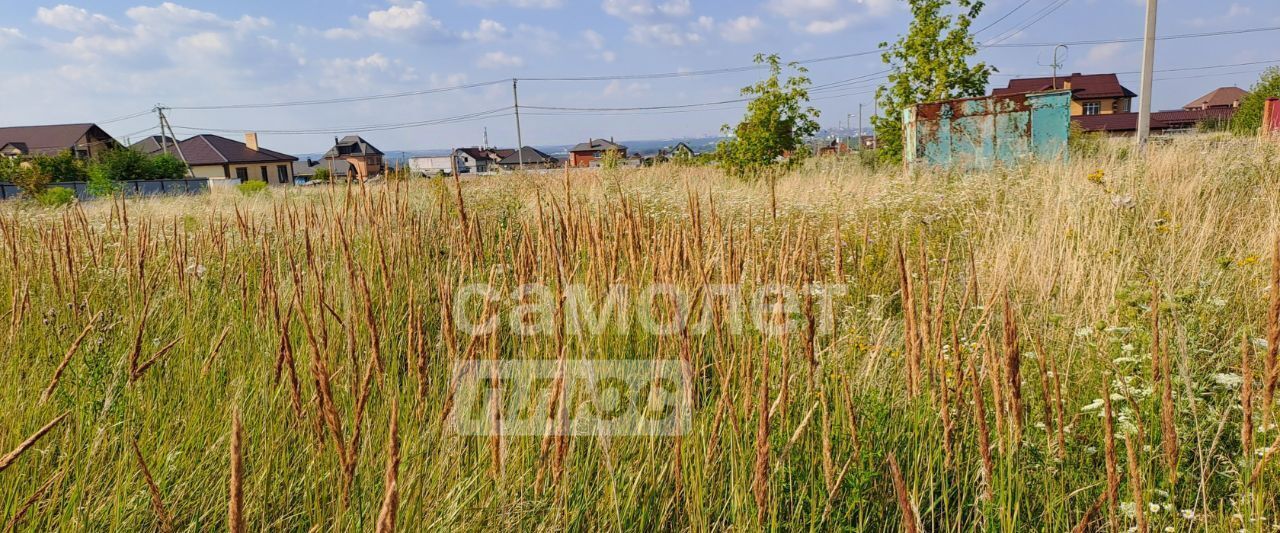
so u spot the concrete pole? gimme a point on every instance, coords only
(1148, 66)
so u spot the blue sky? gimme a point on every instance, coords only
(93, 61)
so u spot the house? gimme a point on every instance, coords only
(432, 165)
(1091, 94)
(305, 169)
(1179, 120)
(681, 151)
(83, 140)
(588, 154)
(156, 144)
(1220, 98)
(530, 157)
(220, 158)
(364, 157)
(479, 159)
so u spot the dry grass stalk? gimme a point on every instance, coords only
(66, 359)
(31, 501)
(157, 502)
(391, 493)
(1273, 337)
(235, 496)
(142, 368)
(213, 350)
(1262, 462)
(911, 337)
(1135, 482)
(1113, 468)
(910, 520)
(1168, 428)
(1083, 525)
(760, 472)
(1246, 395)
(984, 434)
(1013, 371)
(12, 456)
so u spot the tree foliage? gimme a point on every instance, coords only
(778, 120)
(124, 164)
(930, 63)
(1248, 118)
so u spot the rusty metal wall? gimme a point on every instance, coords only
(980, 132)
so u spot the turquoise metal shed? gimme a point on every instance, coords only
(977, 133)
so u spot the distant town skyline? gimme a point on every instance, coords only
(110, 61)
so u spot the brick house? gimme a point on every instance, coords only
(1220, 98)
(589, 153)
(1091, 94)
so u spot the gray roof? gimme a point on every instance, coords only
(353, 145)
(307, 167)
(596, 145)
(154, 144)
(530, 155)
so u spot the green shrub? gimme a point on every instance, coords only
(166, 167)
(31, 179)
(56, 197)
(1083, 144)
(101, 185)
(251, 188)
(62, 167)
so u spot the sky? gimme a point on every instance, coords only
(444, 67)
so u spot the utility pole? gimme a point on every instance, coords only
(164, 138)
(1148, 66)
(515, 96)
(1057, 64)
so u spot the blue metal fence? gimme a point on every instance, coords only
(129, 188)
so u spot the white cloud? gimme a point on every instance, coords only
(448, 80)
(647, 10)
(802, 8)
(1234, 11)
(12, 38)
(663, 34)
(487, 31)
(494, 60)
(521, 4)
(1104, 57)
(597, 43)
(617, 88)
(823, 27)
(402, 20)
(71, 18)
(741, 30)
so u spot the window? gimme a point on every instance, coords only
(282, 173)
(242, 174)
(264, 174)
(1092, 108)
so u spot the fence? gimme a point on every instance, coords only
(129, 188)
(979, 132)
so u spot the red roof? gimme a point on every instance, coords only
(1083, 86)
(1220, 97)
(1160, 120)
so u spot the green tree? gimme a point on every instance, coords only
(31, 179)
(123, 164)
(929, 64)
(1248, 118)
(165, 167)
(777, 122)
(62, 167)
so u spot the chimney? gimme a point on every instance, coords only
(251, 141)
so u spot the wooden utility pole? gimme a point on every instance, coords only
(515, 96)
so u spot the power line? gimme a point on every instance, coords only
(1001, 19)
(342, 100)
(125, 117)
(491, 113)
(1138, 39)
(1032, 21)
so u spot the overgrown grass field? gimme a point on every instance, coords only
(1086, 346)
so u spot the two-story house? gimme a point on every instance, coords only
(366, 161)
(1091, 94)
(82, 140)
(589, 153)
